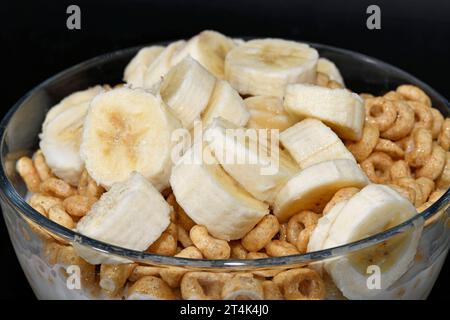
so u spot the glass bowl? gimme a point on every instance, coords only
(51, 279)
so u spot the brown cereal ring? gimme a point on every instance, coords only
(406, 192)
(434, 196)
(114, 276)
(143, 271)
(400, 169)
(41, 166)
(237, 250)
(403, 124)
(300, 227)
(203, 285)
(443, 181)
(364, 147)
(261, 234)
(243, 286)
(411, 183)
(393, 96)
(210, 247)
(423, 146)
(278, 248)
(444, 135)
(172, 275)
(426, 186)
(282, 235)
(410, 92)
(256, 255)
(301, 284)
(78, 205)
(377, 167)
(29, 174)
(166, 244)
(438, 120)
(183, 237)
(406, 143)
(46, 202)
(271, 291)
(88, 187)
(56, 187)
(60, 216)
(380, 112)
(390, 148)
(150, 287)
(341, 195)
(422, 115)
(434, 164)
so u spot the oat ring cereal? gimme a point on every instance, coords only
(301, 284)
(423, 145)
(423, 115)
(403, 124)
(380, 112)
(261, 234)
(400, 169)
(434, 164)
(390, 148)
(243, 286)
(342, 195)
(300, 227)
(438, 120)
(210, 247)
(377, 167)
(203, 285)
(444, 135)
(410, 92)
(364, 147)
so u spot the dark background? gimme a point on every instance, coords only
(35, 44)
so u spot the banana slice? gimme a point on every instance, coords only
(313, 187)
(340, 109)
(162, 64)
(135, 71)
(226, 103)
(209, 48)
(212, 198)
(310, 142)
(374, 209)
(268, 113)
(186, 89)
(132, 215)
(61, 134)
(260, 168)
(329, 68)
(266, 66)
(128, 130)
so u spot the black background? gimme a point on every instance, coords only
(36, 44)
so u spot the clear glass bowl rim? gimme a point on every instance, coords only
(16, 201)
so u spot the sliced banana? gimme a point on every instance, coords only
(212, 198)
(226, 103)
(260, 168)
(132, 215)
(209, 48)
(128, 130)
(313, 187)
(310, 142)
(61, 134)
(374, 209)
(268, 113)
(186, 89)
(135, 70)
(266, 66)
(340, 109)
(329, 68)
(162, 64)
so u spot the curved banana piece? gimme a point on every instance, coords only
(132, 214)
(186, 89)
(340, 109)
(128, 130)
(135, 70)
(212, 198)
(259, 167)
(310, 142)
(268, 113)
(226, 103)
(266, 66)
(374, 209)
(329, 68)
(313, 187)
(61, 134)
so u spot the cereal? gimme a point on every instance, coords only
(279, 248)
(56, 187)
(377, 167)
(150, 287)
(301, 284)
(403, 124)
(172, 275)
(113, 277)
(60, 216)
(438, 120)
(68, 257)
(282, 235)
(143, 271)
(78, 205)
(203, 285)
(210, 247)
(29, 174)
(183, 237)
(237, 250)
(426, 186)
(390, 148)
(423, 145)
(300, 228)
(41, 166)
(411, 183)
(166, 244)
(341, 195)
(434, 164)
(88, 187)
(400, 169)
(407, 192)
(364, 147)
(45, 202)
(443, 181)
(393, 96)
(243, 286)
(380, 112)
(434, 196)
(271, 291)
(413, 93)
(422, 114)
(261, 234)
(444, 135)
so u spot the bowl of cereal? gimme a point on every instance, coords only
(220, 168)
